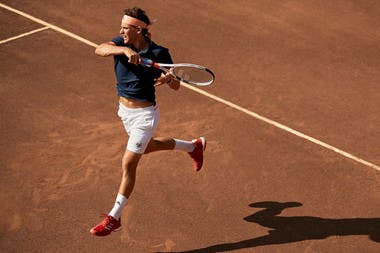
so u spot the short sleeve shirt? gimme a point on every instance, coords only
(137, 81)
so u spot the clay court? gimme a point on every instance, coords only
(292, 123)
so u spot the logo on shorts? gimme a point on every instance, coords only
(138, 144)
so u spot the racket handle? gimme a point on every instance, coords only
(146, 61)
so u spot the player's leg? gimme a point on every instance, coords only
(194, 148)
(139, 126)
(160, 143)
(129, 165)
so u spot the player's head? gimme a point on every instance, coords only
(131, 14)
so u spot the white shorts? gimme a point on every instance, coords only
(140, 124)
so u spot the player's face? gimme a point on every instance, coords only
(129, 32)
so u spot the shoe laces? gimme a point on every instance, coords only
(107, 218)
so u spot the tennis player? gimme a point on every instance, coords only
(137, 105)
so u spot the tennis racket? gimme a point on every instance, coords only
(185, 72)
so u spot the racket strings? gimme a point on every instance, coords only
(189, 74)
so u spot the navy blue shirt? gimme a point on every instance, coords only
(137, 81)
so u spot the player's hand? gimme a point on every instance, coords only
(168, 79)
(133, 57)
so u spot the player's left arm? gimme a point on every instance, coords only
(165, 57)
(169, 80)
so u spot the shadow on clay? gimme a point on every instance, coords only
(297, 228)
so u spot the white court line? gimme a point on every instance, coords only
(23, 35)
(283, 127)
(53, 27)
(220, 100)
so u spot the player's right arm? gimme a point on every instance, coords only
(110, 48)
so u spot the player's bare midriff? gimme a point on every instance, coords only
(133, 103)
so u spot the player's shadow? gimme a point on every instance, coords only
(296, 228)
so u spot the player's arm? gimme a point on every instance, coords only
(168, 79)
(110, 48)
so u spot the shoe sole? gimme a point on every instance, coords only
(204, 143)
(203, 139)
(94, 233)
(117, 230)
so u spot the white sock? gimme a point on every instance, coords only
(187, 146)
(120, 202)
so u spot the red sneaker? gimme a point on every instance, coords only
(197, 153)
(108, 225)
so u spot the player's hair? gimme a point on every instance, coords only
(140, 14)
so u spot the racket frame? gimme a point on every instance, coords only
(168, 68)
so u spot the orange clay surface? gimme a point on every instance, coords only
(313, 66)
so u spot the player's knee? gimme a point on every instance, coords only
(129, 168)
(129, 164)
(152, 146)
